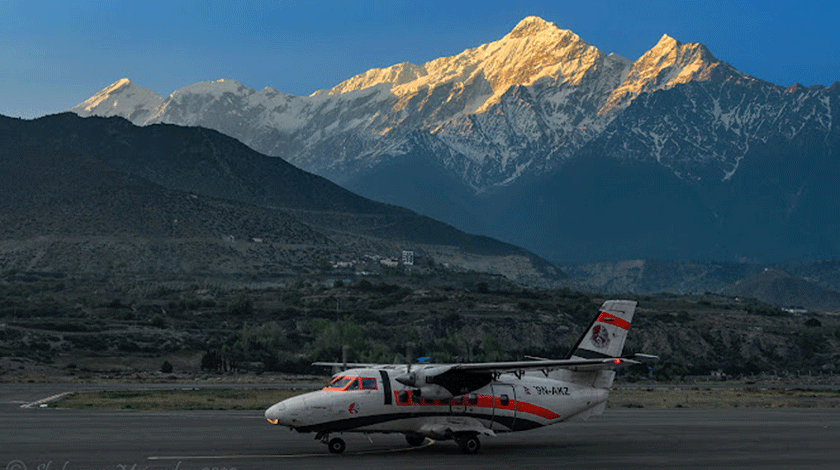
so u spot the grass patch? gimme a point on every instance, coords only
(699, 397)
(200, 399)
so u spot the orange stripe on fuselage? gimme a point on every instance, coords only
(484, 401)
(610, 319)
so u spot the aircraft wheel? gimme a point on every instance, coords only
(336, 445)
(469, 444)
(414, 440)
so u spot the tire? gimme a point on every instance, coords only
(469, 444)
(414, 440)
(336, 445)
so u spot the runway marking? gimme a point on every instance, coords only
(44, 401)
(285, 456)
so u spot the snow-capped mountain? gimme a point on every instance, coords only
(491, 122)
(122, 98)
(517, 105)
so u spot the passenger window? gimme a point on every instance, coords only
(402, 397)
(505, 401)
(368, 383)
(472, 399)
(416, 398)
(459, 400)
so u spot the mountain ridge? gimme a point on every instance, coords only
(488, 123)
(371, 118)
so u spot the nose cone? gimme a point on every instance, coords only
(275, 412)
(287, 412)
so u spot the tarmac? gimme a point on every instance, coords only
(53, 439)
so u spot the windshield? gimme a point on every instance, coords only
(351, 383)
(338, 383)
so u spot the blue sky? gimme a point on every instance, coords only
(56, 54)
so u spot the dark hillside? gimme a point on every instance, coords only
(64, 176)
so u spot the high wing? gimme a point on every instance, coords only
(503, 367)
(547, 365)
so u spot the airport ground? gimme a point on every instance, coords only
(624, 437)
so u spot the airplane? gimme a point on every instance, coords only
(461, 402)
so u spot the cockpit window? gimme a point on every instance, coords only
(338, 383)
(351, 383)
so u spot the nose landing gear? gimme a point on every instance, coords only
(335, 445)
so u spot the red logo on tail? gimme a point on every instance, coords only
(600, 336)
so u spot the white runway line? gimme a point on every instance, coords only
(44, 401)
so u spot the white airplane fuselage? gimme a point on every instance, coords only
(509, 403)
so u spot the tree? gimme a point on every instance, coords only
(242, 305)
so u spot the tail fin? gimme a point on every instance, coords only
(606, 334)
(604, 338)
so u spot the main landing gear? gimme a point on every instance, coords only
(335, 445)
(415, 440)
(468, 443)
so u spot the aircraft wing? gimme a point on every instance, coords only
(548, 364)
(348, 365)
(515, 366)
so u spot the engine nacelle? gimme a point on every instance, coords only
(422, 381)
(420, 377)
(442, 382)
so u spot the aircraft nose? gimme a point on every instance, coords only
(275, 412)
(287, 412)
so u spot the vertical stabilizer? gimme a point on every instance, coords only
(606, 334)
(603, 339)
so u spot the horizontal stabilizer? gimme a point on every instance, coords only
(641, 357)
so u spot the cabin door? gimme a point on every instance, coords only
(504, 407)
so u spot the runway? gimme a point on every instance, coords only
(49, 439)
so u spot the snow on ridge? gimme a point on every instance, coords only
(667, 64)
(534, 49)
(394, 75)
(213, 89)
(121, 98)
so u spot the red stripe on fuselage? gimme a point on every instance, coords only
(483, 401)
(610, 319)
(524, 407)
